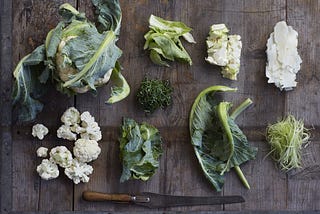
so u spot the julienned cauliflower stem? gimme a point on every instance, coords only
(86, 150)
(48, 170)
(61, 156)
(39, 131)
(78, 171)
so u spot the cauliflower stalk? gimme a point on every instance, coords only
(48, 170)
(39, 131)
(283, 57)
(78, 171)
(224, 50)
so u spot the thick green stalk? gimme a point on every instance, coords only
(242, 177)
(245, 104)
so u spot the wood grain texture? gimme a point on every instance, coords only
(179, 172)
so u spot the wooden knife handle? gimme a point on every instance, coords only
(97, 196)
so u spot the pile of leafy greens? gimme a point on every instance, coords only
(218, 142)
(77, 56)
(140, 150)
(163, 41)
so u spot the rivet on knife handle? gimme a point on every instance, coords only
(97, 196)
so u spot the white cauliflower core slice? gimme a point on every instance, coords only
(42, 152)
(48, 170)
(78, 171)
(283, 58)
(71, 116)
(224, 50)
(39, 131)
(61, 156)
(86, 150)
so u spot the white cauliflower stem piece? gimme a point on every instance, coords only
(48, 170)
(65, 132)
(283, 58)
(78, 171)
(61, 156)
(71, 116)
(224, 50)
(39, 131)
(86, 150)
(42, 152)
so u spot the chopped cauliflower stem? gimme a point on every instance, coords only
(39, 131)
(224, 50)
(48, 170)
(86, 150)
(71, 116)
(42, 152)
(61, 156)
(78, 171)
(283, 57)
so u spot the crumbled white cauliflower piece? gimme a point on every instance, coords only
(78, 171)
(91, 129)
(86, 150)
(283, 57)
(224, 50)
(48, 170)
(39, 131)
(65, 132)
(42, 152)
(71, 116)
(61, 156)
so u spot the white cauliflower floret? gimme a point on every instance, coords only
(65, 132)
(224, 50)
(39, 131)
(42, 152)
(78, 171)
(71, 116)
(86, 150)
(283, 57)
(48, 170)
(90, 129)
(61, 156)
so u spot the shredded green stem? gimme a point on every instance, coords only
(286, 138)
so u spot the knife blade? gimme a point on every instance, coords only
(153, 200)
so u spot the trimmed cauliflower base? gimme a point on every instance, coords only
(61, 156)
(42, 152)
(48, 170)
(78, 171)
(86, 150)
(283, 58)
(39, 131)
(224, 50)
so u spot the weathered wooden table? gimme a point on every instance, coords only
(24, 24)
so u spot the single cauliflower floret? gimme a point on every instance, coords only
(48, 170)
(65, 132)
(78, 171)
(71, 116)
(86, 150)
(42, 152)
(61, 156)
(90, 129)
(39, 131)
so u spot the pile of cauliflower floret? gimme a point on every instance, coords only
(85, 150)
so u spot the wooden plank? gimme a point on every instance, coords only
(5, 106)
(32, 20)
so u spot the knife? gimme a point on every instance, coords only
(153, 200)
